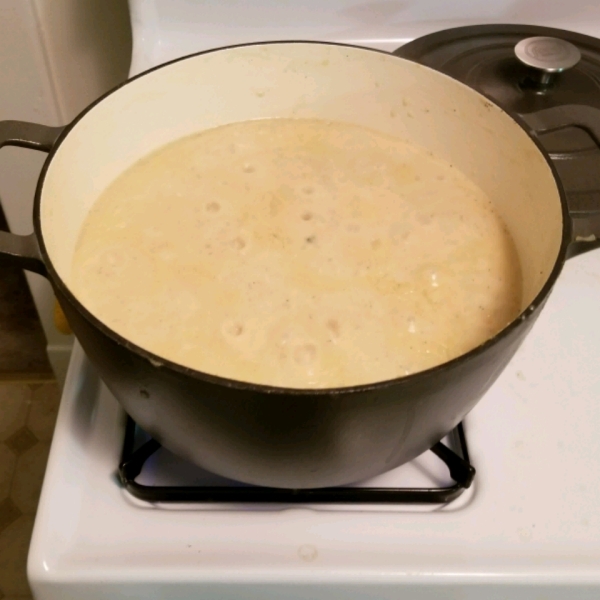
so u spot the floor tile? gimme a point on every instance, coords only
(21, 441)
(45, 399)
(28, 477)
(14, 544)
(8, 460)
(9, 513)
(15, 399)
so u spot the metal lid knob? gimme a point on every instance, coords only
(548, 56)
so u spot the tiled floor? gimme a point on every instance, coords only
(27, 416)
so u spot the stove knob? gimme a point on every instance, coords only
(547, 57)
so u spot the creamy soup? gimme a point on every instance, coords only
(298, 253)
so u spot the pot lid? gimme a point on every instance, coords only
(549, 78)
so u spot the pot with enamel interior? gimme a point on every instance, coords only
(274, 436)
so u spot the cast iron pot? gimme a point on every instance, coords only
(292, 438)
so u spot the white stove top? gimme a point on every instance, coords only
(528, 528)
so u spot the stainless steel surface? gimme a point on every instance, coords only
(548, 54)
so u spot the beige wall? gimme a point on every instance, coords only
(56, 56)
(88, 48)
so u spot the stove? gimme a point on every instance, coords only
(121, 517)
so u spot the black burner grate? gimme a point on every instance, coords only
(133, 460)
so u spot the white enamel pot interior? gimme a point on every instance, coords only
(307, 80)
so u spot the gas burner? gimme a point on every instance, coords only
(549, 78)
(139, 448)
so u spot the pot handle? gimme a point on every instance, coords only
(23, 250)
(584, 168)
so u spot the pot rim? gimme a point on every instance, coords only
(160, 362)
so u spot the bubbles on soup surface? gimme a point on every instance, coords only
(305, 354)
(232, 329)
(298, 253)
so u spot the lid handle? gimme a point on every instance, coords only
(547, 57)
(583, 201)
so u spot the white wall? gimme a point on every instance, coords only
(56, 56)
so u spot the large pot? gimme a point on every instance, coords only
(271, 436)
